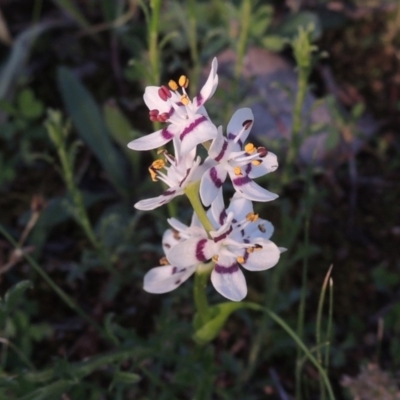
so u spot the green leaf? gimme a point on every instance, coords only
(274, 42)
(289, 27)
(70, 7)
(122, 132)
(358, 110)
(118, 125)
(128, 378)
(332, 139)
(28, 105)
(14, 294)
(88, 120)
(210, 330)
(261, 21)
(49, 392)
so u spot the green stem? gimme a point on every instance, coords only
(245, 19)
(294, 144)
(194, 53)
(64, 297)
(192, 193)
(202, 275)
(153, 40)
(303, 294)
(305, 350)
(297, 340)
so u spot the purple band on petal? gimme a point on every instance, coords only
(199, 100)
(220, 269)
(174, 270)
(192, 126)
(214, 177)
(222, 152)
(184, 178)
(232, 136)
(168, 192)
(166, 134)
(222, 217)
(200, 250)
(248, 168)
(243, 180)
(223, 236)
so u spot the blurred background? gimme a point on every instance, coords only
(75, 322)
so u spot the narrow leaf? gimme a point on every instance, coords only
(15, 294)
(88, 120)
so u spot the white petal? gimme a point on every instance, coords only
(211, 184)
(166, 278)
(199, 130)
(240, 206)
(229, 282)
(153, 140)
(219, 146)
(192, 251)
(269, 164)
(251, 190)
(262, 259)
(177, 225)
(169, 240)
(154, 202)
(153, 100)
(218, 210)
(209, 87)
(260, 229)
(235, 124)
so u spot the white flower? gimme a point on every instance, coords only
(188, 121)
(241, 165)
(241, 238)
(178, 174)
(167, 277)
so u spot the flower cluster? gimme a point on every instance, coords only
(238, 236)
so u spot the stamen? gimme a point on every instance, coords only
(183, 81)
(163, 117)
(256, 162)
(175, 234)
(240, 260)
(185, 100)
(250, 250)
(237, 171)
(153, 115)
(163, 261)
(246, 124)
(250, 148)
(164, 93)
(262, 151)
(252, 217)
(153, 174)
(261, 228)
(257, 247)
(158, 164)
(215, 258)
(173, 85)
